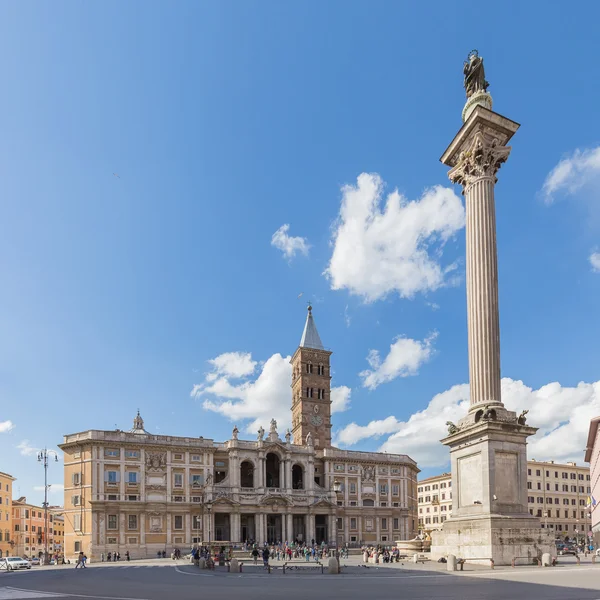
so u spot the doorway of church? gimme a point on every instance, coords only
(321, 529)
(247, 525)
(273, 529)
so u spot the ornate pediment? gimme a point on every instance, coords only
(323, 501)
(275, 447)
(274, 499)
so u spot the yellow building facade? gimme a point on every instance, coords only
(143, 493)
(6, 520)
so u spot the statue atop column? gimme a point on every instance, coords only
(474, 74)
(273, 426)
(234, 433)
(261, 434)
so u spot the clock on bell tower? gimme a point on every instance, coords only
(311, 388)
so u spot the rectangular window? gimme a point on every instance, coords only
(178, 522)
(77, 547)
(132, 522)
(321, 370)
(111, 540)
(27, 513)
(395, 490)
(112, 453)
(529, 485)
(178, 456)
(219, 463)
(396, 523)
(196, 522)
(132, 477)
(353, 488)
(112, 522)
(132, 454)
(340, 524)
(76, 500)
(197, 480)
(195, 458)
(178, 480)
(383, 523)
(77, 522)
(352, 522)
(537, 473)
(111, 477)
(383, 489)
(75, 455)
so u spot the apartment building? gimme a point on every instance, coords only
(434, 501)
(29, 528)
(6, 523)
(559, 494)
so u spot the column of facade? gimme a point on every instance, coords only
(282, 474)
(288, 473)
(290, 527)
(188, 529)
(310, 527)
(122, 474)
(261, 472)
(121, 528)
(143, 528)
(234, 527)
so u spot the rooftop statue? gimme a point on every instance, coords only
(474, 74)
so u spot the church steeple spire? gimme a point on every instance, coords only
(310, 336)
(311, 388)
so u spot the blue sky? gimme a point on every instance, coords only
(227, 121)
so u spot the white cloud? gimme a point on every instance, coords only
(562, 415)
(594, 261)
(255, 401)
(233, 364)
(572, 173)
(26, 449)
(289, 245)
(340, 399)
(6, 426)
(404, 359)
(398, 248)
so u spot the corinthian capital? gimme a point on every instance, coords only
(482, 157)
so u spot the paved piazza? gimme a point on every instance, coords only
(156, 580)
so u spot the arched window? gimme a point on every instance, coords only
(272, 470)
(297, 477)
(247, 474)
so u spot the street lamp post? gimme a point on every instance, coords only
(43, 458)
(337, 488)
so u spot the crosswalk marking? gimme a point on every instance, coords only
(9, 593)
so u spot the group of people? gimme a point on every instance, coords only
(380, 554)
(115, 556)
(290, 551)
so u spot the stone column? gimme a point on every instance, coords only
(290, 527)
(143, 529)
(474, 165)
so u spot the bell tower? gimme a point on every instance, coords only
(311, 388)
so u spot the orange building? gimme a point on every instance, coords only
(6, 545)
(29, 527)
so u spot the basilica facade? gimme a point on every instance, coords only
(143, 493)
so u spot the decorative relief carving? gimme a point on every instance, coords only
(368, 473)
(156, 461)
(483, 159)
